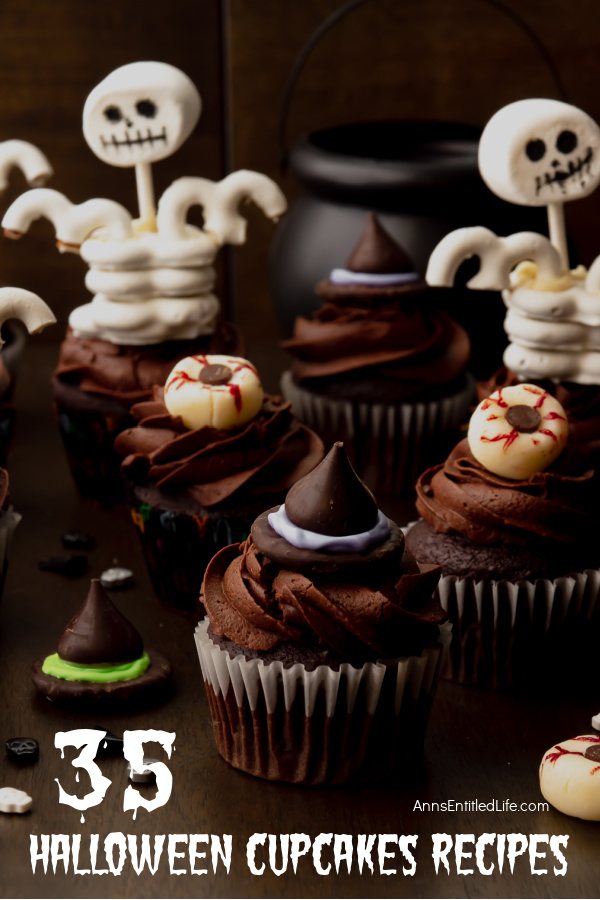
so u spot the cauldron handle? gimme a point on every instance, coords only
(328, 23)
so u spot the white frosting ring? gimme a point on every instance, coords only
(303, 539)
(373, 279)
(139, 285)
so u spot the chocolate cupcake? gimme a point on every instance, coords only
(95, 385)
(101, 662)
(511, 517)
(206, 454)
(322, 644)
(380, 365)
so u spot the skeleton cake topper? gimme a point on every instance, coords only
(137, 115)
(152, 278)
(541, 153)
(536, 153)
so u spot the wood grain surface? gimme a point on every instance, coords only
(480, 745)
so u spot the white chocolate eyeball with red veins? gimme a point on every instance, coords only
(536, 152)
(214, 391)
(518, 431)
(140, 113)
(570, 777)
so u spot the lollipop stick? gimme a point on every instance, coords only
(556, 226)
(145, 192)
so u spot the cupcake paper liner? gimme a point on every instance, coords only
(506, 634)
(88, 439)
(178, 546)
(389, 444)
(323, 726)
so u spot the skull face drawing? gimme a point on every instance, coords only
(140, 113)
(538, 152)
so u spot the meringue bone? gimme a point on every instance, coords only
(72, 224)
(149, 286)
(220, 202)
(22, 155)
(498, 256)
(16, 303)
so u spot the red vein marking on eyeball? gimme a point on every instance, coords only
(180, 377)
(548, 433)
(245, 365)
(507, 438)
(491, 418)
(588, 738)
(540, 393)
(534, 441)
(554, 415)
(485, 405)
(552, 757)
(234, 390)
(594, 770)
(501, 401)
(203, 360)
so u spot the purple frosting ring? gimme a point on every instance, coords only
(303, 539)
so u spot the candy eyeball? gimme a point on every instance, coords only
(570, 777)
(214, 391)
(518, 431)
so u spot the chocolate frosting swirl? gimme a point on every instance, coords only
(554, 507)
(212, 467)
(259, 606)
(393, 332)
(128, 373)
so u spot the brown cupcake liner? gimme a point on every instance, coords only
(323, 726)
(390, 444)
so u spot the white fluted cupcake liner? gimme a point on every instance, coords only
(320, 726)
(390, 444)
(508, 633)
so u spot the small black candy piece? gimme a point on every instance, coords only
(73, 566)
(78, 540)
(110, 745)
(23, 750)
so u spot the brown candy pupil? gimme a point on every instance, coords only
(524, 418)
(593, 752)
(215, 374)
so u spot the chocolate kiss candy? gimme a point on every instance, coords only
(377, 252)
(98, 633)
(332, 499)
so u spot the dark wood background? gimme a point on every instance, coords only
(419, 58)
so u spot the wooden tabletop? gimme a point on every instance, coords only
(480, 746)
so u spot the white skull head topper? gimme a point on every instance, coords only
(140, 113)
(538, 152)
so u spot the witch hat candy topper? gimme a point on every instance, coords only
(100, 659)
(536, 153)
(152, 278)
